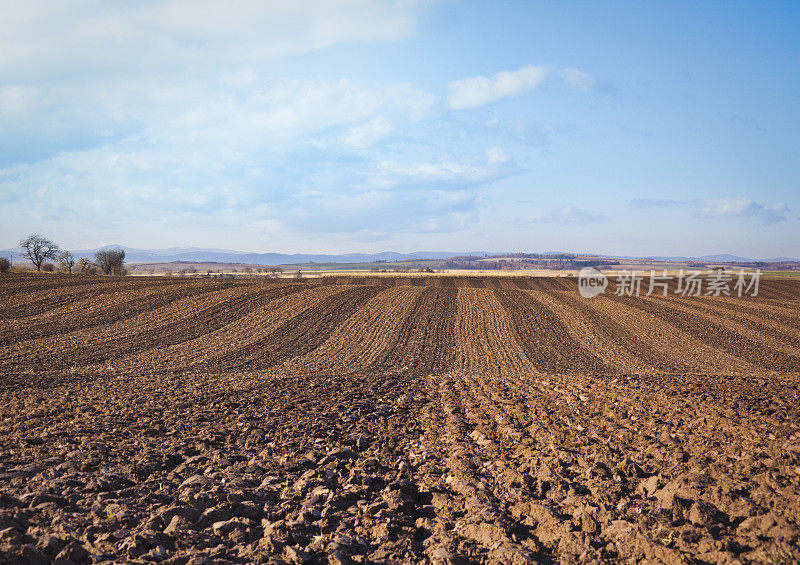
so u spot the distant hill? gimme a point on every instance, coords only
(722, 258)
(725, 258)
(202, 255)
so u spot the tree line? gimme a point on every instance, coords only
(40, 251)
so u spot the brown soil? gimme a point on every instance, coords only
(459, 419)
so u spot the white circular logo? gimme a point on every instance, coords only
(591, 282)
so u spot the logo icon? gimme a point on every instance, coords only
(591, 282)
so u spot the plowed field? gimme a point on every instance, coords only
(455, 419)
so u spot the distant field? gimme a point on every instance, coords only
(405, 419)
(414, 268)
(364, 270)
(791, 274)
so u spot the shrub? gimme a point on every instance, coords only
(86, 267)
(5, 265)
(48, 267)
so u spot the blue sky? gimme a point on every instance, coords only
(342, 126)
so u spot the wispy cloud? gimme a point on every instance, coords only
(247, 151)
(742, 207)
(96, 36)
(367, 134)
(393, 197)
(442, 172)
(569, 216)
(242, 110)
(736, 207)
(655, 202)
(497, 156)
(577, 78)
(479, 91)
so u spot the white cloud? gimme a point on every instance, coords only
(497, 156)
(367, 134)
(726, 207)
(94, 37)
(391, 173)
(200, 154)
(656, 202)
(393, 197)
(741, 207)
(479, 91)
(176, 114)
(578, 79)
(223, 161)
(175, 120)
(263, 113)
(569, 215)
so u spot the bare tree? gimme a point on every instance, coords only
(110, 261)
(66, 260)
(38, 249)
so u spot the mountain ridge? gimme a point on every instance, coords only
(202, 255)
(217, 255)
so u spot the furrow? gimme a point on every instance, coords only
(357, 344)
(182, 320)
(619, 349)
(716, 334)
(225, 343)
(547, 342)
(30, 304)
(426, 340)
(99, 310)
(485, 337)
(303, 333)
